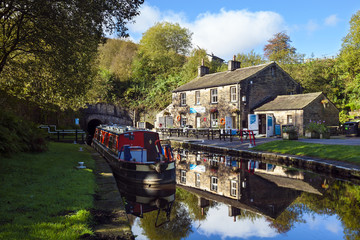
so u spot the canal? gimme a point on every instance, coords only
(225, 197)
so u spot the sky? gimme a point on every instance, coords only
(228, 27)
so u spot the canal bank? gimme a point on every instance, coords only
(243, 149)
(111, 221)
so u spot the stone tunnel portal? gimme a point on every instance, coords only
(91, 126)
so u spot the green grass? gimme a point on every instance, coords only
(44, 195)
(334, 152)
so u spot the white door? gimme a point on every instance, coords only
(269, 125)
(198, 122)
(228, 122)
(253, 120)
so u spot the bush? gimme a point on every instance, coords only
(318, 127)
(18, 135)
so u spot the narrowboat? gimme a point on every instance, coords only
(135, 156)
(139, 200)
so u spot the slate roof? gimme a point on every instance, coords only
(289, 102)
(222, 78)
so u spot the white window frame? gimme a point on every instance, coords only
(290, 119)
(233, 96)
(233, 188)
(197, 179)
(183, 176)
(183, 120)
(213, 95)
(197, 98)
(182, 99)
(214, 119)
(214, 184)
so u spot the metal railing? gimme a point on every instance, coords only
(64, 135)
(209, 133)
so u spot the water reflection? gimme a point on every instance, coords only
(221, 197)
(250, 185)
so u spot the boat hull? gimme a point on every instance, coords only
(135, 172)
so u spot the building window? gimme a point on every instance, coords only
(289, 119)
(213, 95)
(183, 99)
(197, 97)
(214, 119)
(183, 121)
(183, 176)
(197, 179)
(233, 188)
(214, 184)
(233, 94)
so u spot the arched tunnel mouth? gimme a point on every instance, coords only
(91, 126)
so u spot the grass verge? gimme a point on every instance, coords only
(44, 195)
(324, 151)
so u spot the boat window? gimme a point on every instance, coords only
(110, 145)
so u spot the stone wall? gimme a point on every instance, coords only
(321, 109)
(265, 86)
(257, 90)
(281, 117)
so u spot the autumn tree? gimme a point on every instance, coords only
(279, 49)
(47, 48)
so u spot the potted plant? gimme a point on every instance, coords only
(290, 133)
(315, 129)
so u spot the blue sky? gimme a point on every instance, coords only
(228, 27)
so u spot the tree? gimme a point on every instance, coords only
(250, 59)
(348, 63)
(159, 60)
(48, 47)
(279, 49)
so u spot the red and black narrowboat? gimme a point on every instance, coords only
(135, 156)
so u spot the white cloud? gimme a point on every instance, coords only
(229, 32)
(331, 20)
(312, 26)
(224, 33)
(148, 17)
(219, 223)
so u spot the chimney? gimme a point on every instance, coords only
(202, 70)
(233, 64)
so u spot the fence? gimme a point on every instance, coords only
(221, 134)
(64, 135)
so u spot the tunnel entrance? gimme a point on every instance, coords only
(91, 126)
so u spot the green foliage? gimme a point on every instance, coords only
(166, 37)
(43, 196)
(156, 66)
(342, 198)
(49, 47)
(317, 126)
(18, 135)
(250, 59)
(179, 226)
(348, 63)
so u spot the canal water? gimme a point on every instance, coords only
(224, 197)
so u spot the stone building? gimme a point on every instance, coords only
(245, 184)
(225, 99)
(299, 110)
